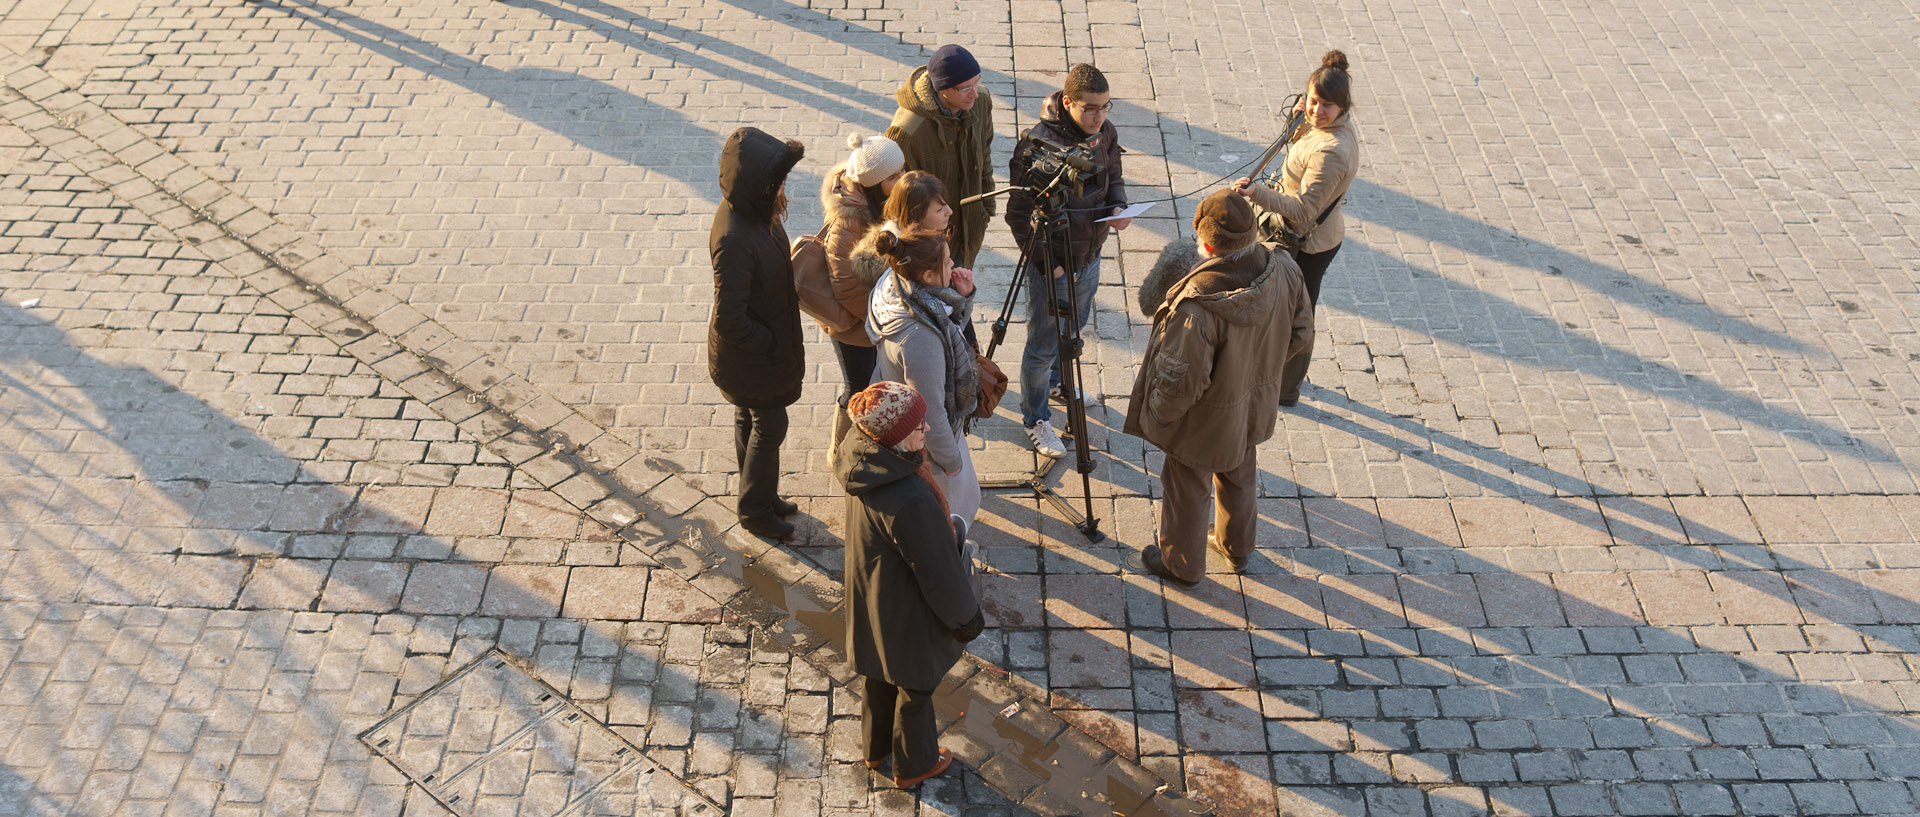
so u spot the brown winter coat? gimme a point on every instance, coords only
(844, 205)
(907, 587)
(1206, 390)
(957, 149)
(1320, 167)
(1086, 203)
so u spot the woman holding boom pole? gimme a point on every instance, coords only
(1320, 166)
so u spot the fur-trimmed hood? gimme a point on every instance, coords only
(1242, 290)
(842, 201)
(868, 266)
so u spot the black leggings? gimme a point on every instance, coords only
(1313, 267)
(856, 365)
(757, 435)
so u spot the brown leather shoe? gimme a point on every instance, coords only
(1158, 567)
(1239, 562)
(946, 760)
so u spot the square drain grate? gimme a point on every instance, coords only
(493, 740)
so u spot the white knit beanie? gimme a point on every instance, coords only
(874, 158)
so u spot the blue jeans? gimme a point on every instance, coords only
(1040, 364)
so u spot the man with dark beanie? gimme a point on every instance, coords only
(1206, 390)
(945, 127)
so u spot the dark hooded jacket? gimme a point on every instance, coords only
(1086, 203)
(956, 149)
(754, 346)
(1206, 390)
(907, 588)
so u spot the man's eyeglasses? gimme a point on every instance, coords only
(1093, 108)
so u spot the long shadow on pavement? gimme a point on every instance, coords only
(594, 114)
(223, 521)
(768, 74)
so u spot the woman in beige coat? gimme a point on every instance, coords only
(1320, 166)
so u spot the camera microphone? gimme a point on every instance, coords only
(1077, 163)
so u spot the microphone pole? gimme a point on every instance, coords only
(1002, 191)
(1286, 138)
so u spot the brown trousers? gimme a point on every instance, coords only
(1184, 517)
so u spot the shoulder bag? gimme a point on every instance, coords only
(813, 282)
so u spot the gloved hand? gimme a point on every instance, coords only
(972, 629)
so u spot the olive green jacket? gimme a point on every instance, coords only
(957, 149)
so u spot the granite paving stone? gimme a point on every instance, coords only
(324, 327)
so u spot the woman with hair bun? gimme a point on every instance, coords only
(917, 318)
(1320, 166)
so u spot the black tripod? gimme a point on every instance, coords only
(1048, 217)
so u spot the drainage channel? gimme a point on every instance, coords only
(493, 739)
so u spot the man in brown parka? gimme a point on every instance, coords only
(1206, 390)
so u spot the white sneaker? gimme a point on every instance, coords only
(1056, 395)
(1045, 441)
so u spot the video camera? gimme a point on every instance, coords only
(1051, 160)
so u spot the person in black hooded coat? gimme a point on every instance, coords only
(754, 349)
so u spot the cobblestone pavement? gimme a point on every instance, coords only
(1601, 502)
(229, 547)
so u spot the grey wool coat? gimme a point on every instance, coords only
(907, 588)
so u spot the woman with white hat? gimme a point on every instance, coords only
(851, 200)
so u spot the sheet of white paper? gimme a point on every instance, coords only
(1131, 211)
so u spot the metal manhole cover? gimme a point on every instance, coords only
(493, 740)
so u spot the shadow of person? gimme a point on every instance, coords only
(1383, 689)
(594, 114)
(698, 50)
(1631, 519)
(1489, 323)
(132, 511)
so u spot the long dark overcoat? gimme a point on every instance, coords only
(906, 587)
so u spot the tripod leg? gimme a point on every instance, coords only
(1069, 334)
(1006, 308)
(1066, 328)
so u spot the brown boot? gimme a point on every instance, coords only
(946, 760)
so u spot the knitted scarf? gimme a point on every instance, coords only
(931, 306)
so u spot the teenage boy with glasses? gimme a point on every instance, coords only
(1074, 115)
